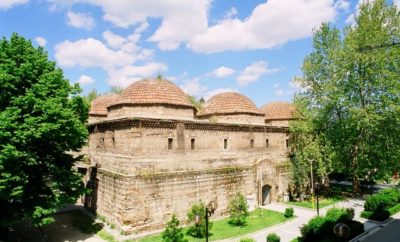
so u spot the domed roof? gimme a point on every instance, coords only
(99, 105)
(154, 92)
(278, 110)
(229, 103)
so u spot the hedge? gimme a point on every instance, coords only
(381, 205)
(321, 228)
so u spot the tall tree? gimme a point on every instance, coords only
(41, 120)
(352, 83)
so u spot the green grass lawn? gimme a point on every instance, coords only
(323, 202)
(221, 229)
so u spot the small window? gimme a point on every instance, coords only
(113, 142)
(267, 143)
(252, 143)
(192, 144)
(225, 144)
(287, 143)
(170, 143)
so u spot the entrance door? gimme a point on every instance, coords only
(266, 199)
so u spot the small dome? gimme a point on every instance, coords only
(154, 92)
(229, 103)
(99, 105)
(278, 110)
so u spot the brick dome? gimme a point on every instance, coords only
(229, 103)
(99, 105)
(154, 92)
(278, 110)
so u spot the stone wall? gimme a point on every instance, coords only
(235, 119)
(150, 111)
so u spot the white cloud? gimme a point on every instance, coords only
(271, 24)
(142, 27)
(254, 71)
(41, 41)
(279, 92)
(113, 40)
(342, 4)
(222, 72)
(80, 20)
(7, 4)
(232, 12)
(83, 80)
(217, 91)
(397, 3)
(193, 87)
(90, 53)
(124, 76)
(119, 64)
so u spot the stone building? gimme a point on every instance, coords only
(151, 153)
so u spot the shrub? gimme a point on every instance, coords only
(356, 228)
(273, 238)
(382, 200)
(238, 210)
(366, 214)
(247, 240)
(172, 231)
(395, 209)
(198, 231)
(289, 212)
(321, 228)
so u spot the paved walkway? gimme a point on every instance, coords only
(291, 229)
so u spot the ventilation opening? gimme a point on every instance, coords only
(192, 144)
(287, 143)
(225, 144)
(170, 143)
(252, 143)
(267, 143)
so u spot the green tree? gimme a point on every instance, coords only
(172, 232)
(352, 84)
(309, 154)
(41, 120)
(198, 230)
(238, 210)
(116, 90)
(93, 94)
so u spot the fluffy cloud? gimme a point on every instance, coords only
(80, 20)
(223, 71)
(271, 24)
(41, 41)
(232, 12)
(119, 63)
(90, 53)
(193, 87)
(7, 4)
(217, 91)
(397, 3)
(253, 72)
(83, 80)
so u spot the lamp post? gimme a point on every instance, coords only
(316, 189)
(210, 209)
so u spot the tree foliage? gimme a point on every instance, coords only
(198, 230)
(172, 231)
(41, 119)
(351, 82)
(238, 210)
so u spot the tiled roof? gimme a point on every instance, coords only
(229, 103)
(154, 92)
(278, 110)
(100, 104)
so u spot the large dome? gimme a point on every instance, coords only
(99, 105)
(229, 103)
(154, 92)
(278, 110)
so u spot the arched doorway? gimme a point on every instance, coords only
(266, 198)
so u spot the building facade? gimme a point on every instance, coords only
(151, 154)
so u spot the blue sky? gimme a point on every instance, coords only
(206, 47)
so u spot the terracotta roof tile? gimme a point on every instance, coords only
(278, 110)
(229, 103)
(154, 92)
(100, 104)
